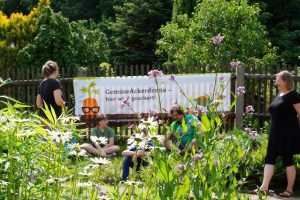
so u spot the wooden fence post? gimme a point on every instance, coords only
(239, 106)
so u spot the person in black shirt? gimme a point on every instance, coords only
(284, 136)
(49, 90)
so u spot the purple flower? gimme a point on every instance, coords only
(240, 90)
(198, 156)
(180, 167)
(254, 135)
(199, 124)
(223, 96)
(200, 108)
(131, 126)
(249, 109)
(217, 39)
(171, 77)
(221, 78)
(236, 64)
(155, 73)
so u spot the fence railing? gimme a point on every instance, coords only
(259, 82)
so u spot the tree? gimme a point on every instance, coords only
(189, 40)
(183, 7)
(86, 9)
(90, 45)
(17, 6)
(16, 32)
(68, 44)
(282, 19)
(136, 30)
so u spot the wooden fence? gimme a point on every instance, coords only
(259, 82)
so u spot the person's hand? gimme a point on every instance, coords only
(66, 104)
(140, 153)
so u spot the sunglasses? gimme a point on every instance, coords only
(88, 109)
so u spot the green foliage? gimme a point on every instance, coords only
(86, 9)
(136, 29)
(183, 7)
(22, 6)
(188, 41)
(89, 44)
(16, 31)
(68, 44)
(282, 19)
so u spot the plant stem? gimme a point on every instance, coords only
(183, 93)
(158, 95)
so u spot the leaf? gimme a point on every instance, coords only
(205, 124)
(10, 98)
(84, 90)
(96, 91)
(92, 84)
(184, 189)
(48, 114)
(218, 120)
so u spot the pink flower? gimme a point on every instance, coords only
(155, 73)
(223, 96)
(254, 135)
(200, 108)
(236, 64)
(131, 126)
(221, 78)
(180, 167)
(198, 156)
(217, 39)
(199, 124)
(249, 109)
(240, 90)
(172, 77)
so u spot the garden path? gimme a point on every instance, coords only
(255, 197)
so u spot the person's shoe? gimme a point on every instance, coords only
(286, 194)
(259, 191)
(111, 155)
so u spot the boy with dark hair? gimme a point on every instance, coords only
(102, 130)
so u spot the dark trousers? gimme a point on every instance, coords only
(127, 163)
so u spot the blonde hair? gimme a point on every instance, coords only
(286, 76)
(49, 67)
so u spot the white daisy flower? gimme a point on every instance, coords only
(97, 140)
(60, 137)
(100, 161)
(85, 173)
(133, 183)
(149, 123)
(85, 184)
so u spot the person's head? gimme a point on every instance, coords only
(284, 81)
(50, 68)
(102, 120)
(177, 113)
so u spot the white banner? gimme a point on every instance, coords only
(130, 95)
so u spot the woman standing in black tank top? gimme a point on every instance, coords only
(49, 90)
